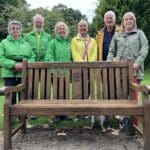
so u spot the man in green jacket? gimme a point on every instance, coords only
(38, 38)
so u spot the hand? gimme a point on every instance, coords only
(136, 66)
(116, 59)
(18, 67)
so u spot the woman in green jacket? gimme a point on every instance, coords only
(130, 43)
(13, 50)
(59, 48)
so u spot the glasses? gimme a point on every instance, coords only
(15, 28)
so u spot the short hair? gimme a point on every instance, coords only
(129, 14)
(82, 22)
(59, 24)
(14, 22)
(110, 12)
(38, 16)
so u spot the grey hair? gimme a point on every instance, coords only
(65, 26)
(134, 19)
(82, 22)
(110, 12)
(38, 16)
(14, 22)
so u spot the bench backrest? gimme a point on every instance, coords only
(79, 80)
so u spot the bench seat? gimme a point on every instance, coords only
(77, 107)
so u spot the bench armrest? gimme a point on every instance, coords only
(9, 89)
(141, 88)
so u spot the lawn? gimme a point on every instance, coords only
(145, 82)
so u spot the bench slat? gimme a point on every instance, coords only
(36, 82)
(105, 84)
(48, 84)
(77, 84)
(55, 85)
(124, 82)
(92, 83)
(30, 84)
(118, 83)
(85, 83)
(67, 84)
(111, 83)
(42, 85)
(98, 76)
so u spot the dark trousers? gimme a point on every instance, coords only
(12, 81)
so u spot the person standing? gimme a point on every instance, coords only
(59, 50)
(38, 38)
(13, 50)
(104, 36)
(83, 47)
(130, 42)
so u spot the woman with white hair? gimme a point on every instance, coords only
(83, 47)
(13, 50)
(59, 48)
(130, 43)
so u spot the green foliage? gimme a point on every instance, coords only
(20, 11)
(141, 9)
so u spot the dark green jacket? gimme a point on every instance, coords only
(12, 52)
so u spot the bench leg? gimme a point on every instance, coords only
(7, 128)
(146, 129)
(23, 121)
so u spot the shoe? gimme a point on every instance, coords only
(32, 117)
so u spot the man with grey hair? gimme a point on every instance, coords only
(104, 36)
(38, 38)
(103, 39)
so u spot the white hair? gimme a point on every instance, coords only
(14, 22)
(38, 16)
(61, 24)
(110, 13)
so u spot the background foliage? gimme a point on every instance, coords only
(19, 10)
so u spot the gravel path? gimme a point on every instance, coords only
(74, 139)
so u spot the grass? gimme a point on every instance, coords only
(64, 123)
(146, 80)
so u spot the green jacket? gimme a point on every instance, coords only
(58, 50)
(12, 52)
(133, 45)
(38, 43)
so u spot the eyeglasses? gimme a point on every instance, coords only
(17, 28)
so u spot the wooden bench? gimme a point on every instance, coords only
(93, 88)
